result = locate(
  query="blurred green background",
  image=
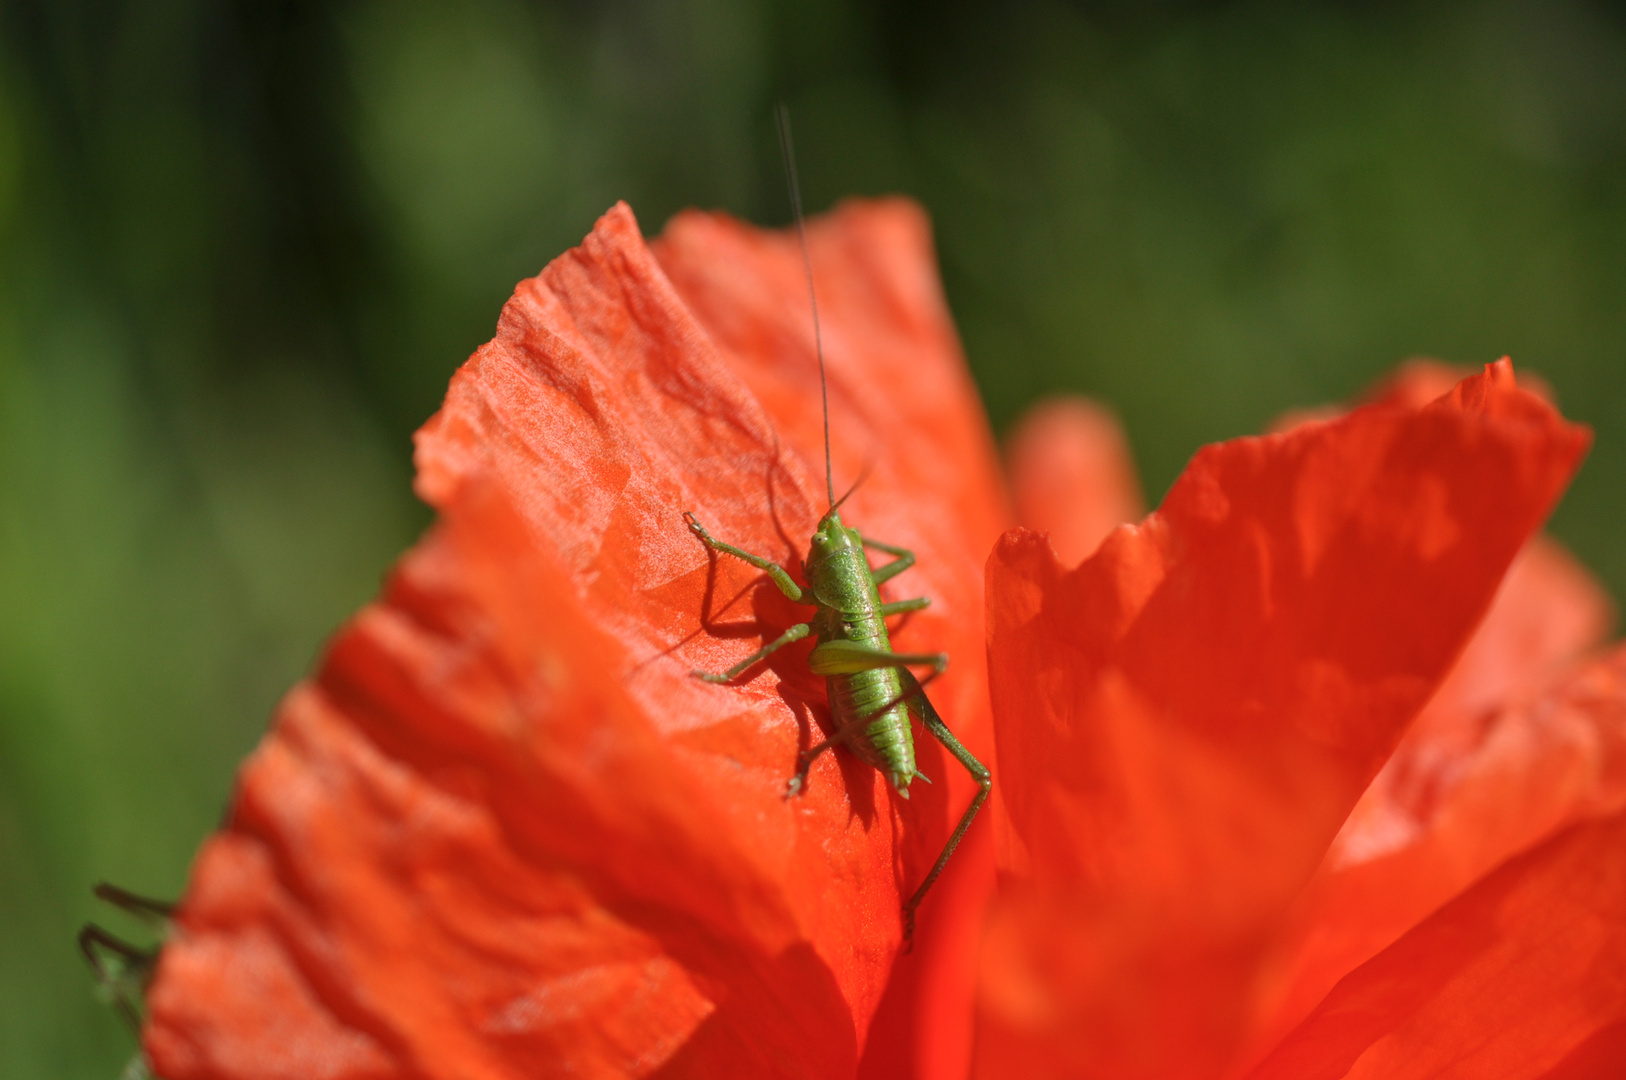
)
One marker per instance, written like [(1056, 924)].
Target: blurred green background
[(244, 244)]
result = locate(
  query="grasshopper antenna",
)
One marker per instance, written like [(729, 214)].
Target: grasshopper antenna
[(869, 467), (788, 152)]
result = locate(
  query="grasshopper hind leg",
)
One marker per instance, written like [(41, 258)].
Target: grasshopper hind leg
[(921, 706)]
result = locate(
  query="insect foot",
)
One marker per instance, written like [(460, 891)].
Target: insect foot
[(798, 783), (710, 676), (695, 527)]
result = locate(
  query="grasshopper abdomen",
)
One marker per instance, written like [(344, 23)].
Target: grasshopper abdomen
[(850, 611)]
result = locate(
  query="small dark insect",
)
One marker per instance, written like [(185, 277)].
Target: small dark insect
[(871, 689), (123, 971)]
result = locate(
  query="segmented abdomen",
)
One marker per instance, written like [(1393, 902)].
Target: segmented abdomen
[(886, 742)]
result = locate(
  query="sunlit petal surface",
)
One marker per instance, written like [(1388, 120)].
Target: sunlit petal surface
[(1517, 979)]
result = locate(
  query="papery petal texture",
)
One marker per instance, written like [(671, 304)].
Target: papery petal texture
[(1523, 977), (1185, 720), (1513, 747), (503, 832)]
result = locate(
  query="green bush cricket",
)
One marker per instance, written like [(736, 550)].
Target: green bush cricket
[(872, 692)]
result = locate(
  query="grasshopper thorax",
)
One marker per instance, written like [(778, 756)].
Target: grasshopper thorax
[(836, 568)]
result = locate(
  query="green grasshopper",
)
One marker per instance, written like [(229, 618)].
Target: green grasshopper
[(871, 690)]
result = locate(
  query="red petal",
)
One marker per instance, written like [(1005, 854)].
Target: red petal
[(1549, 611), (504, 833), (1518, 979), (1418, 382), (1185, 719), (1489, 768), (1072, 476), (1413, 385)]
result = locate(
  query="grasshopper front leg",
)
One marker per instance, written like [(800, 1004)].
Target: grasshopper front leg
[(781, 578), (902, 559), (795, 633)]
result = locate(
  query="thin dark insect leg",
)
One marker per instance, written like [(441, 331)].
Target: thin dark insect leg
[(92, 936), (142, 907), (136, 967), (904, 559), (898, 607), (922, 707), (795, 633), (780, 578)]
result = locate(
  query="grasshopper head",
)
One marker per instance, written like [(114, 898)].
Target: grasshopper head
[(836, 569), (831, 538)]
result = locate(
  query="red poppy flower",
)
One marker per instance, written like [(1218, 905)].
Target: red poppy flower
[(502, 832)]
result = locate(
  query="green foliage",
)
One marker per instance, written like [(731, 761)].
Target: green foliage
[(243, 245)]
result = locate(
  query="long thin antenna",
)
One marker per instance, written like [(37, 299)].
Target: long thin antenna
[(782, 115)]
